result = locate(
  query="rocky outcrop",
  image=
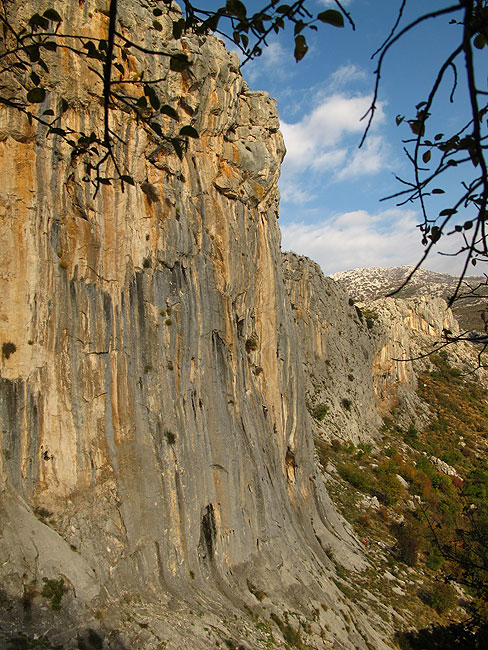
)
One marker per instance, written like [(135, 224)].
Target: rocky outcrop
[(361, 360), (157, 474), (338, 353), (405, 331)]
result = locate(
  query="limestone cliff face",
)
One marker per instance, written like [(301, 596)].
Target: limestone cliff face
[(338, 352), (406, 330), (156, 448), (158, 357), (361, 362)]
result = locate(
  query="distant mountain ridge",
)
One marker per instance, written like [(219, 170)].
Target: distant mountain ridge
[(366, 284)]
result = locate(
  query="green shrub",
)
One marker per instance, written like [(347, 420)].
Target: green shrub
[(8, 348), (409, 535), (257, 593), (323, 450), (346, 403), (291, 636), (412, 436), (435, 560), (388, 489), (355, 476), (54, 591), (251, 343), (441, 597), (320, 411)]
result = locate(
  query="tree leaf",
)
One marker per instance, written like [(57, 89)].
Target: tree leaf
[(36, 95), (170, 112), (157, 12), (142, 102), (479, 41), (36, 21), (52, 14), (49, 111), (417, 127), (301, 47), (154, 100), (43, 65), (189, 131), (127, 179), (178, 27), (32, 52), (236, 8), (438, 191), (468, 225), (435, 234), (426, 156), (35, 78), (212, 23), (283, 9), (63, 106), (179, 63), (177, 147), (51, 46), (157, 128), (447, 212), (157, 25), (331, 17), (57, 131)]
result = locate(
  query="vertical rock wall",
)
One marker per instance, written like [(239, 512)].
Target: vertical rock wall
[(154, 438)]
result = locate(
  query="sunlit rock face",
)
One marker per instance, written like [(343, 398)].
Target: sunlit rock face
[(159, 364), (156, 449), (361, 361), (338, 353)]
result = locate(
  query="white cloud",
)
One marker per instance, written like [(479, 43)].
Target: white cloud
[(347, 73), (293, 193), (313, 142), (370, 159), (275, 60), (359, 239)]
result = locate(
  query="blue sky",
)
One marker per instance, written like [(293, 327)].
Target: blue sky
[(331, 190)]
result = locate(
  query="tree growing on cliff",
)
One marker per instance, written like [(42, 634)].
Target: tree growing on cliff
[(29, 47)]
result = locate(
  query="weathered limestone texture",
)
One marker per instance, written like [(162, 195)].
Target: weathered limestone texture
[(408, 329), (156, 449), (361, 361), (338, 352)]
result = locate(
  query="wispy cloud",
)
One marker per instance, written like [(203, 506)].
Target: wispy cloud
[(370, 159), (347, 74), (332, 3), (293, 193), (359, 239), (275, 60), (327, 139)]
